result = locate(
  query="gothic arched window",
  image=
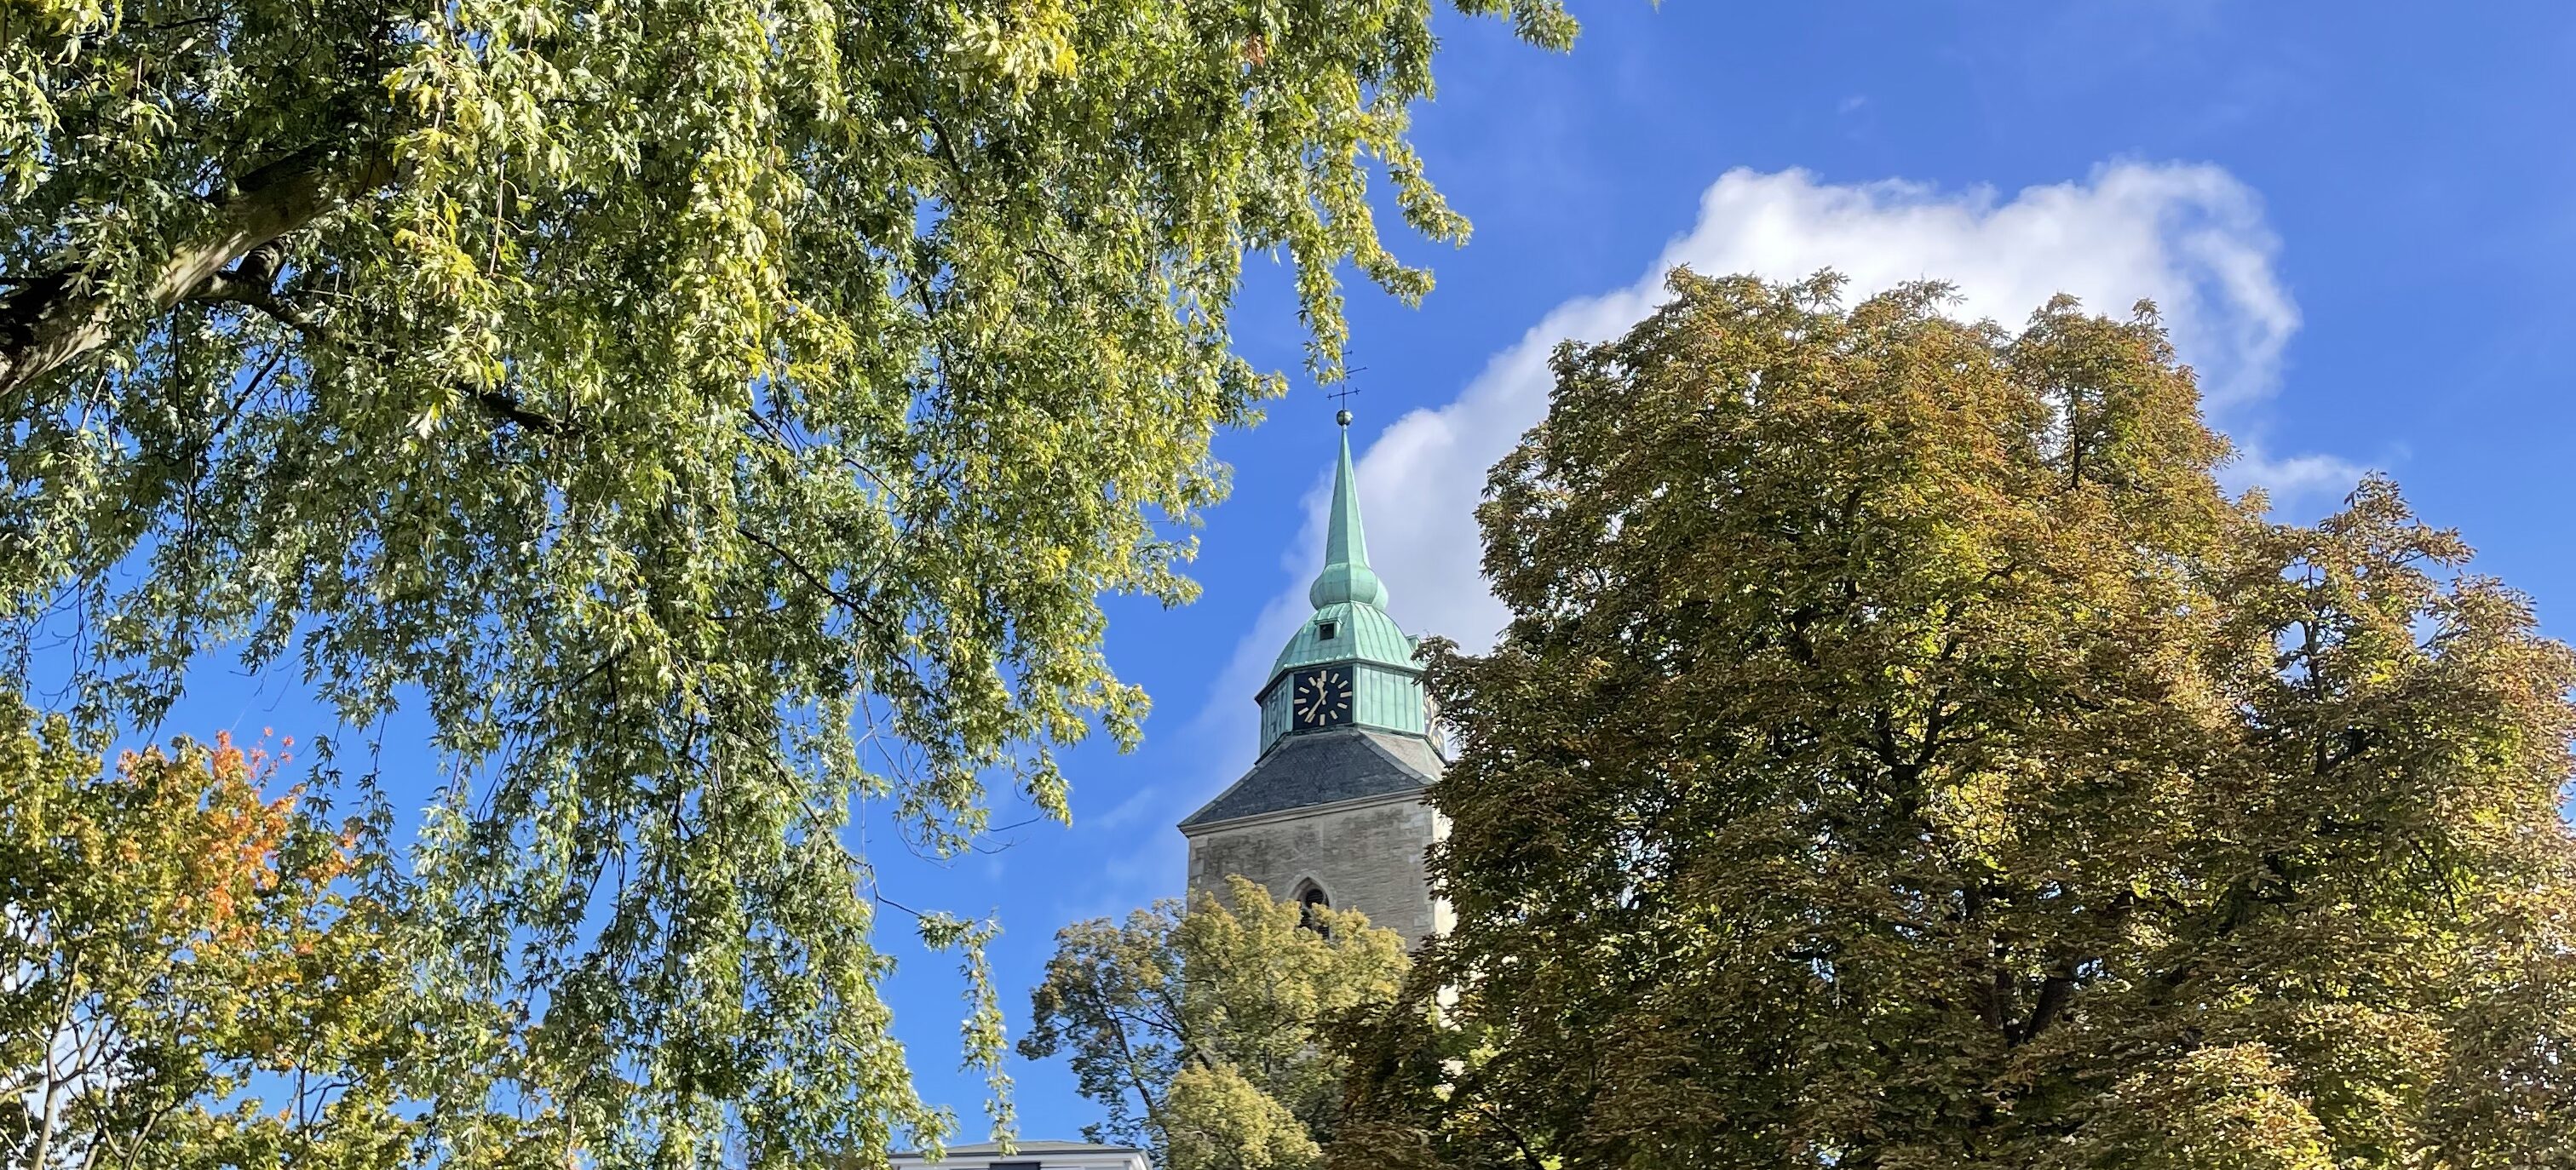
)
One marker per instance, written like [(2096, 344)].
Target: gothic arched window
[(1310, 900)]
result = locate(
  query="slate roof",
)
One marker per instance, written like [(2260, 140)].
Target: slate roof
[(1324, 767)]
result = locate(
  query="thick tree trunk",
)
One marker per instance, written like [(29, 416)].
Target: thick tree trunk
[(56, 319)]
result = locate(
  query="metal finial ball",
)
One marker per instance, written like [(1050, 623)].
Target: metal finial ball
[(1343, 417)]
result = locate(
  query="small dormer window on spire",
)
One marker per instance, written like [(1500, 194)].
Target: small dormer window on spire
[(1324, 631)]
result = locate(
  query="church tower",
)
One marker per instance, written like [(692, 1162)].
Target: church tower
[(1332, 812)]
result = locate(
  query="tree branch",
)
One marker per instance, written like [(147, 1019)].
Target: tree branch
[(509, 409), (2054, 992), (248, 283), (1134, 1068), (54, 319)]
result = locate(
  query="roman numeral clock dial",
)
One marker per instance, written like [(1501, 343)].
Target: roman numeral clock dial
[(1321, 698)]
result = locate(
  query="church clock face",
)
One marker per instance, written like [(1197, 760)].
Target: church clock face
[(1321, 698)]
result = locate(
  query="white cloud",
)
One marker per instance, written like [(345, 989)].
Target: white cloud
[(2291, 477), (2189, 237)]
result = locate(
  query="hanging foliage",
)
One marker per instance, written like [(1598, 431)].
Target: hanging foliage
[(712, 414)]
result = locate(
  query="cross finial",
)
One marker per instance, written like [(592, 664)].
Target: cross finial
[(1342, 397)]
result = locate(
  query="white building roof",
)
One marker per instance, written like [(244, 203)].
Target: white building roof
[(1027, 1155)]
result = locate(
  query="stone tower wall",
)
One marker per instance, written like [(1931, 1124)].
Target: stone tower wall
[(1367, 856)]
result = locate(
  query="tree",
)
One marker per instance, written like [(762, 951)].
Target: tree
[(1200, 1032), (196, 975), (1904, 754), (713, 414)]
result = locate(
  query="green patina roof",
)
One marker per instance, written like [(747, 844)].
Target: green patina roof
[(1347, 594), (1362, 632), (1346, 576), (1349, 599)]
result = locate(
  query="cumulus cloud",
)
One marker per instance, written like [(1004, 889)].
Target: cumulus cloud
[(2191, 238)]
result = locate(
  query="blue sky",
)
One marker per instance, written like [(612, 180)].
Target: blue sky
[(2356, 216)]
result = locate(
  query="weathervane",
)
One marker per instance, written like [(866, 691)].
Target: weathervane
[(1342, 397)]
